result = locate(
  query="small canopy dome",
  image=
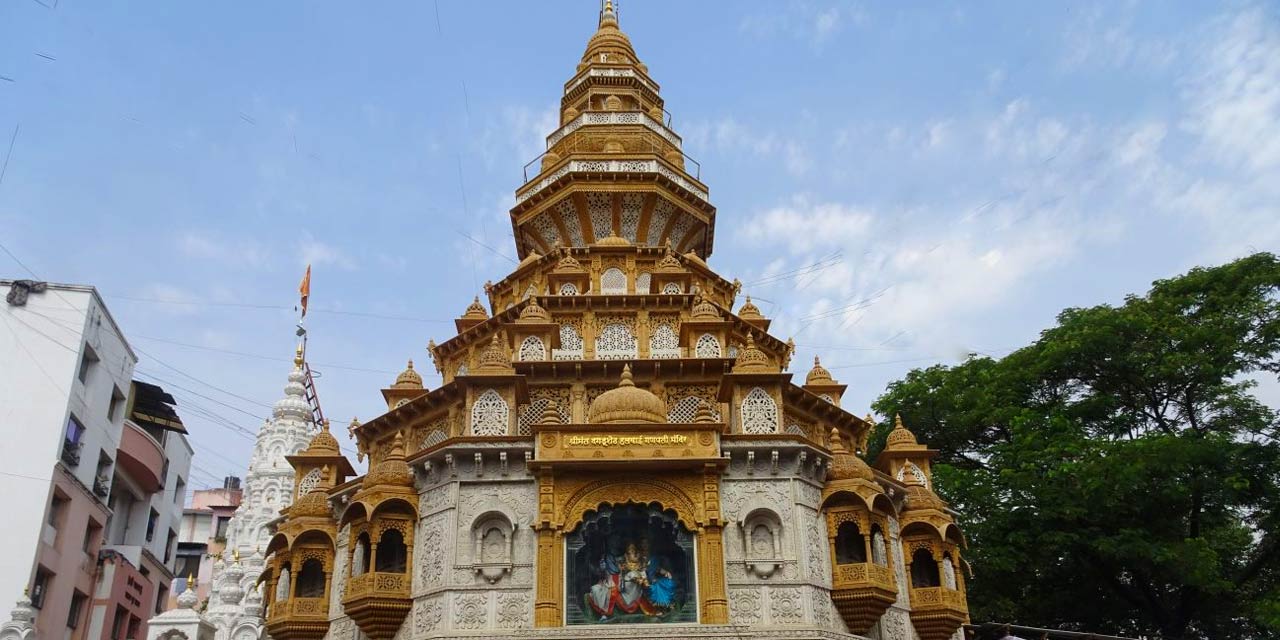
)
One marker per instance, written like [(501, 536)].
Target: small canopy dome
[(704, 310), (845, 465), (627, 403), (900, 436), (393, 470), (612, 240), (494, 357), (408, 379), (476, 311), (751, 358), (750, 311), (568, 264), (314, 503), (669, 263), (323, 442), (818, 374), (533, 313)]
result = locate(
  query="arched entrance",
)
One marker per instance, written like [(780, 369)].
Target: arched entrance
[(630, 563)]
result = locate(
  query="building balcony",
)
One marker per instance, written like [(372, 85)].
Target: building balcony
[(378, 602), (71, 453), (141, 457), (861, 592), (298, 619), (937, 612)]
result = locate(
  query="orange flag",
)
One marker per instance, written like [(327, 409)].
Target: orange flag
[(304, 290)]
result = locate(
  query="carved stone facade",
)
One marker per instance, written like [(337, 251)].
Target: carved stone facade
[(614, 452)]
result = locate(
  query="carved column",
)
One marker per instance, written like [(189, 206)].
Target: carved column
[(546, 607), (715, 601)]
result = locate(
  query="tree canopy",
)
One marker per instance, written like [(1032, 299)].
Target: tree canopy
[(1118, 475)]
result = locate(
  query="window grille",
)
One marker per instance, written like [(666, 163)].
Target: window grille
[(489, 415), (707, 346), (759, 412)]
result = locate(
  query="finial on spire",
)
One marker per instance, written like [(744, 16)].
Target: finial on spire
[(297, 356), (191, 580), (626, 377), (607, 14)]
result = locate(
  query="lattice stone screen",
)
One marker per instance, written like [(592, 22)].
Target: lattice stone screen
[(616, 342), (568, 289), (686, 410), (489, 415), (614, 281), (664, 343), (707, 346), (672, 288), (570, 344), (532, 349), (759, 412), (643, 279), (308, 482)]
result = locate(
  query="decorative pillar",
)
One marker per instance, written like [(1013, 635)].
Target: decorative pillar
[(546, 608), (715, 601)]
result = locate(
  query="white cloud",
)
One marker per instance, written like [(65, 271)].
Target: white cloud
[(311, 251), (804, 226), (1103, 36), (241, 252), (803, 21), (1235, 96), (727, 136)]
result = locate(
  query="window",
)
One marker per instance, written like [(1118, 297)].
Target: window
[(489, 415), (615, 342), (179, 491), (86, 364), (39, 586), (115, 407), (391, 553), (707, 346), (613, 280), (850, 547), (664, 343), (759, 412), (311, 578), (92, 536), (188, 565), (924, 569), (56, 508), (532, 349), (151, 524), (77, 607), (168, 545), (72, 441), (162, 598), (118, 622), (221, 528)]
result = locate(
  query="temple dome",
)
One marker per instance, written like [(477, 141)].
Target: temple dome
[(534, 313), (846, 465), (818, 374), (900, 436), (323, 443), (494, 357), (568, 264), (392, 470), (408, 379), (669, 263), (751, 358), (612, 240), (314, 503), (627, 403), (750, 311), (476, 311)]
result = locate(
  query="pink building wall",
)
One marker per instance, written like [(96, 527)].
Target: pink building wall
[(122, 586), (62, 552)]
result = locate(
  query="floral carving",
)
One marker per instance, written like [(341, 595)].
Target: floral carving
[(470, 610), (427, 616), (430, 559), (786, 606), (744, 605), (513, 610)]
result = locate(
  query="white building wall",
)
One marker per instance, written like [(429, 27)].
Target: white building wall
[(41, 345)]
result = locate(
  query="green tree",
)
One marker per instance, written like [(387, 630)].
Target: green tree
[(1118, 475)]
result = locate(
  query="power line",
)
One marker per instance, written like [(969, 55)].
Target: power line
[(274, 307), (207, 384), (260, 356)]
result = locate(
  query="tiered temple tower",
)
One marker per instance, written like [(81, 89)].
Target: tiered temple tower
[(235, 603), (614, 451)]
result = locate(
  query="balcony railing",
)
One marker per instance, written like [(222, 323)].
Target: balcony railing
[(71, 452), (300, 608), (938, 597), (864, 574), (378, 583)]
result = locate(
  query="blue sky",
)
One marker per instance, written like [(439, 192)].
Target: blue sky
[(960, 171)]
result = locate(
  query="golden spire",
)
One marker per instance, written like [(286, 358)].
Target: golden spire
[(297, 356), (191, 580)]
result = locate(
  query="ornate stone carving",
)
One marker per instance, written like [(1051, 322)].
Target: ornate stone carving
[(744, 605), (470, 610), (786, 605), (514, 610), (427, 616)]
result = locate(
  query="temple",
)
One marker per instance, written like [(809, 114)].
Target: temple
[(616, 444)]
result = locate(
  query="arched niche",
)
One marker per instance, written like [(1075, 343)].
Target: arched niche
[(493, 545), (630, 563), (761, 533)]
